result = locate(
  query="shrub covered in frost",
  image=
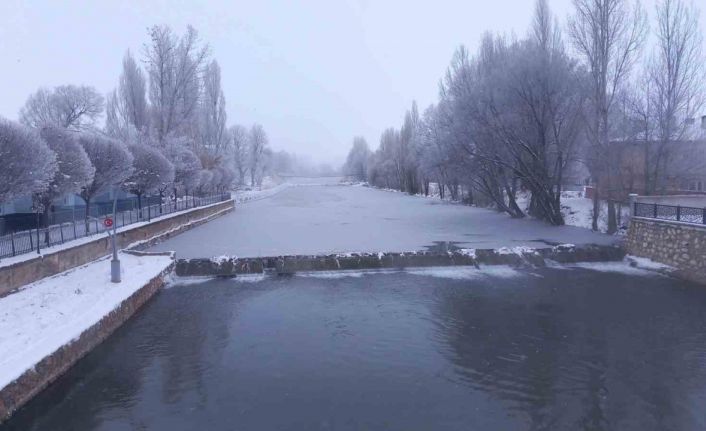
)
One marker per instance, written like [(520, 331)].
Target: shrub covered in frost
[(27, 165)]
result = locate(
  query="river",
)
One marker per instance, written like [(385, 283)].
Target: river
[(603, 347)]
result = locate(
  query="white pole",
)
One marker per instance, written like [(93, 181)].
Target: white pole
[(632, 199)]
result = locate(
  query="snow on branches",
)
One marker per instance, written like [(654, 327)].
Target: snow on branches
[(152, 171), (187, 165), (75, 170), (28, 165), (69, 106), (111, 159)]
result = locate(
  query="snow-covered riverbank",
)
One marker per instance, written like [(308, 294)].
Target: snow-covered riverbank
[(44, 316)]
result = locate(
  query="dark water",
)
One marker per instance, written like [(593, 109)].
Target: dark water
[(555, 349)]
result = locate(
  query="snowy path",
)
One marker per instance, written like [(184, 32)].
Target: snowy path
[(335, 219), (43, 316)]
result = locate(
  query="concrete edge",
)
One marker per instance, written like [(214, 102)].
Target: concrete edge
[(33, 381), (234, 266)]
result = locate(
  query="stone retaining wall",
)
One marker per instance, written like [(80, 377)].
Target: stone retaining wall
[(17, 393), (680, 245), (87, 250), (230, 267)]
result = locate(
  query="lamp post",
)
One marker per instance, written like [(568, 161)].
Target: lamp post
[(115, 262)]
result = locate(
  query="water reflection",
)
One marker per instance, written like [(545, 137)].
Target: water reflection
[(554, 349), (591, 351)]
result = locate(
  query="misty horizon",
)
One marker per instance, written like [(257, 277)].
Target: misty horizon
[(314, 76)]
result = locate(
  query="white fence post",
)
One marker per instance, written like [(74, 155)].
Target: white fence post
[(632, 199)]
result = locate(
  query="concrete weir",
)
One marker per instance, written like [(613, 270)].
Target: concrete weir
[(226, 266)]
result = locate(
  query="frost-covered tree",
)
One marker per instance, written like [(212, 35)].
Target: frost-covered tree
[(152, 172), (608, 35), (187, 166), (407, 155), (435, 153), (266, 165), (174, 65), (69, 106), (27, 165), (205, 180), (226, 179), (112, 162), (74, 169), (126, 107), (357, 160), (239, 151), (215, 180), (531, 106), (675, 87), (509, 117), (214, 137), (257, 144)]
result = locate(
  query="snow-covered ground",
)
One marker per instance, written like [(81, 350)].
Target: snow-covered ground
[(316, 219), (578, 210), (242, 196), (45, 315)]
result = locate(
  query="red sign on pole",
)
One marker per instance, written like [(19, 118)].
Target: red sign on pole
[(108, 222)]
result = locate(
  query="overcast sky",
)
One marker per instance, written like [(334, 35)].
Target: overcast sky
[(314, 73)]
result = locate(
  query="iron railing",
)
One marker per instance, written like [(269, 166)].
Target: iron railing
[(670, 212), (72, 224)]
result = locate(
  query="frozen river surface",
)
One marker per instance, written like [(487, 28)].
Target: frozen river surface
[(335, 219), (431, 349)]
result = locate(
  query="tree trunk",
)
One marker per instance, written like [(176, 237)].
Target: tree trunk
[(454, 191), (88, 213), (533, 209), (612, 222), (45, 203), (516, 212), (596, 209), (139, 205), (45, 223)]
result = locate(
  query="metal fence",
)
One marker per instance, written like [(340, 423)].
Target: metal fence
[(71, 224), (670, 212)]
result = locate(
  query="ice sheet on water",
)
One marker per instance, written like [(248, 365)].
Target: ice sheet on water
[(645, 263), (467, 272), (455, 273), (623, 267), (332, 274), (193, 281)]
